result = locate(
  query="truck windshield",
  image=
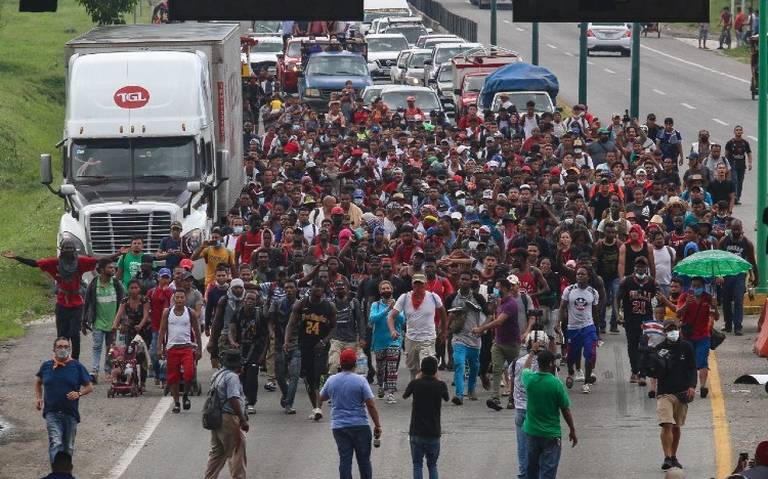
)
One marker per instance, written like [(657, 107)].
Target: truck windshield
[(267, 47), (443, 55), (474, 83), (144, 159), (446, 74), (519, 99), (350, 65), (387, 44), (417, 59), (425, 100), (411, 32)]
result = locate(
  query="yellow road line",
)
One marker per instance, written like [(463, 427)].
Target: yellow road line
[(721, 430)]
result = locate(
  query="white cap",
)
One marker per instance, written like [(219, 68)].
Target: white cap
[(512, 278), (456, 215)]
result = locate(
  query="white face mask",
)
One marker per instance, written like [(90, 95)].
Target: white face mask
[(62, 353), (673, 335)]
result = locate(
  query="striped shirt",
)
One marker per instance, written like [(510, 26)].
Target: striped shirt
[(654, 330)]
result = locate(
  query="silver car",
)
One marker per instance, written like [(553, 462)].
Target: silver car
[(414, 71), (383, 50), (609, 37), (397, 71)]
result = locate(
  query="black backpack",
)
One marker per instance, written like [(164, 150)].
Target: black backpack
[(212, 414)]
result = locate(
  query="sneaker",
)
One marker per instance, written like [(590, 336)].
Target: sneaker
[(704, 392), (157, 381), (652, 394), (641, 382), (579, 376), (282, 402), (676, 463), (633, 379), (494, 404), (185, 403), (457, 401), (738, 332), (472, 396), (317, 414), (585, 389), (176, 408), (727, 329), (251, 409), (270, 386), (289, 410), (569, 382), (667, 464), (391, 399), (511, 403), (380, 393), (95, 379)]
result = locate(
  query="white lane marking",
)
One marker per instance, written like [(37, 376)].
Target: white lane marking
[(693, 64), (569, 54), (553, 47), (720, 122), (659, 92), (141, 438), (507, 22), (608, 70), (751, 137), (690, 107), (590, 63), (520, 29)]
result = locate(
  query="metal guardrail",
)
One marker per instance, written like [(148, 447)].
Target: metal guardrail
[(455, 24)]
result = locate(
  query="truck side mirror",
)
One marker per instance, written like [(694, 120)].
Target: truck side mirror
[(46, 171), (222, 163), (194, 186), (67, 190)]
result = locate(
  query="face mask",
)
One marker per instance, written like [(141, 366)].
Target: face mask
[(698, 291), (641, 276), (475, 284), (358, 201), (217, 244), (62, 353), (261, 200), (497, 293), (237, 230), (461, 201), (386, 295), (673, 335)]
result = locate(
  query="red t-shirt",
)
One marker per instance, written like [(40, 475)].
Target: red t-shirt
[(68, 292), (159, 299), (246, 244), (441, 287), (697, 314)]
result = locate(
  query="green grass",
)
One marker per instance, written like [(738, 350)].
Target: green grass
[(31, 119)]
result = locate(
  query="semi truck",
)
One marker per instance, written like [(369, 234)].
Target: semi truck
[(152, 134)]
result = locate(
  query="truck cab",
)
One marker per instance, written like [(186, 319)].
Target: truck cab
[(148, 131)]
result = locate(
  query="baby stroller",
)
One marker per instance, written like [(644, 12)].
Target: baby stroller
[(128, 367)]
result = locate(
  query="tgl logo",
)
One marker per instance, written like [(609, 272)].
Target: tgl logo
[(131, 97)]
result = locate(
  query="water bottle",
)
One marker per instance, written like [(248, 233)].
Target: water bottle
[(361, 365)]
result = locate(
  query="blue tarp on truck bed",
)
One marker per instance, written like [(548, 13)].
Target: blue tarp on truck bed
[(519, 76)]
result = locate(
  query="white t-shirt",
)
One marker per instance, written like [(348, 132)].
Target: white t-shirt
[(516, 370), (580, 302), (663, 259), (419, 323)]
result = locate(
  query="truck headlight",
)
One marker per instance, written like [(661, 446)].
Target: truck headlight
[(311, 92), (66, 235), (413, 80), (192, 240)]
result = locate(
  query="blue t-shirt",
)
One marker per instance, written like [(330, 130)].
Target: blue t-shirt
[(380, 337), (348, 392), (170, 244), (60, 381)]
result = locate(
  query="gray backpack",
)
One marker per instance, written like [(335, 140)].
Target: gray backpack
[(212, 414)]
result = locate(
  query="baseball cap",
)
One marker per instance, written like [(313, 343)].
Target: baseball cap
[(641, 171), (176, 224), (186, 263), (164, 272), (456, 215), (512, 278), (488, 194), (348, 356), (419, 278), (337, 210)]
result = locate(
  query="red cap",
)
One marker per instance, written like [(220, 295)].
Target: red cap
[(554, 171), (357, 152), (337, 210), (458, 178), (186, 263), (348, 356), (527, 168)]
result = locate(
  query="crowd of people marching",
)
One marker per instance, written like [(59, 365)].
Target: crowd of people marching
[(374, 236)]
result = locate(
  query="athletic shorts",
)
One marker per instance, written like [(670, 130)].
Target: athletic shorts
[(670, 410), (701, 349), (179, 358), (314, 364), (583, 341)]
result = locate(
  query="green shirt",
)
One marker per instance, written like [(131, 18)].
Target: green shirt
[(546, 397), (106, 306), (131, 265)]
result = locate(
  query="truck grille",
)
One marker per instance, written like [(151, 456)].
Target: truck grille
[(111, 231)]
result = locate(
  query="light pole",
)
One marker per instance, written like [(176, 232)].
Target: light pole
[(762, 146), (535, 43), (583, 63), (634, 89), (493, 22)]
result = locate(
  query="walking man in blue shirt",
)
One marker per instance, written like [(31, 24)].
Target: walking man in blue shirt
[(61, 382), (351, 396)]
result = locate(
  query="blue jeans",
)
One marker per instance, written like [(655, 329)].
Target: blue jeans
[(737, 175), (156, 366), (62, 428), (425, 446), (734, 288), (543, 456), (101, 339), (357, 440), (287, 370), (522, 444), (461, 356)]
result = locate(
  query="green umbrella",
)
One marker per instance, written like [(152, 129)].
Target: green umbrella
[(712, 263)]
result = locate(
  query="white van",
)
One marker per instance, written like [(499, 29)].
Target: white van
[(373, 9)]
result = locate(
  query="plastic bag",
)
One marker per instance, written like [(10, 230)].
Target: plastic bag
[(361, 365)]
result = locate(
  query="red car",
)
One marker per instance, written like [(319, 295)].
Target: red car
[(289, 64)]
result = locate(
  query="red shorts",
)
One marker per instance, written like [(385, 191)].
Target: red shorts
[(179, 358)]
